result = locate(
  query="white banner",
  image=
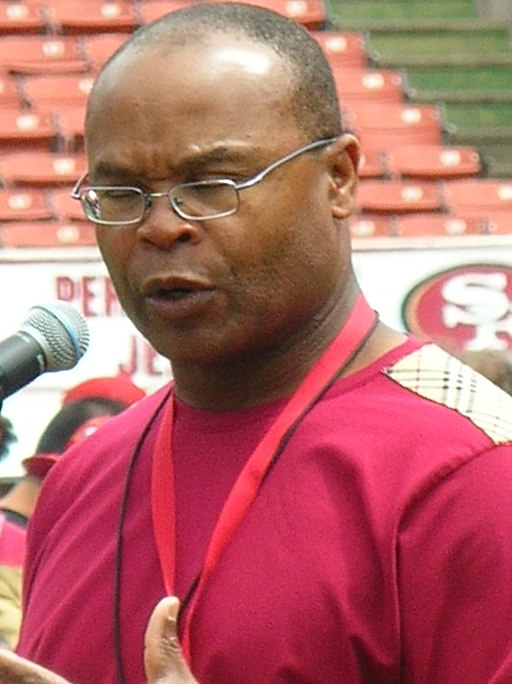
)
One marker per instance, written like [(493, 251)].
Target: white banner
[(79, 277)]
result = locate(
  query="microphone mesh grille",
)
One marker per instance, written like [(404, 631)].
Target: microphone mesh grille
[(65, 333)]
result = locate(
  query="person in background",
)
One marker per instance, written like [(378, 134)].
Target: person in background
[(84, 408), (328, 498)]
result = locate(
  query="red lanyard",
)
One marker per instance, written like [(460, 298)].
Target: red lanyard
[(353, 334)]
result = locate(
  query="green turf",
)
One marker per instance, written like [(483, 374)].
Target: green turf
[(457, 78), (414, 42), (467, 115), (373, 10)]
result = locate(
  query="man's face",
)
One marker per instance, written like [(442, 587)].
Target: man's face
[(212, 291)]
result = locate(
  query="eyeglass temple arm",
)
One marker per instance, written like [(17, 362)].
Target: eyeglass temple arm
[(74, 192), (296, 153)]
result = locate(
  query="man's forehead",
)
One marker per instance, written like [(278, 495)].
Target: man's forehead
[(237, 62), (220, 48)]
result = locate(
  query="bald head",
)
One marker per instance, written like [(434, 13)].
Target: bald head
[(309, 83)]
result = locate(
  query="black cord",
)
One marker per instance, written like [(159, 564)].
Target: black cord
[(118, 557)]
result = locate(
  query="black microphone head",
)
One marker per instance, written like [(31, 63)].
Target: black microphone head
[(61, 331)]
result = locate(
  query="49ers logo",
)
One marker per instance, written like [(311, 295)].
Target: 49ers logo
[(469, 307)]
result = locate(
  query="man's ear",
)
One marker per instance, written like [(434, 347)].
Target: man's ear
[(345, 160)]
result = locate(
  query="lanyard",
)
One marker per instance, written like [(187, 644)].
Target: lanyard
[(327, 368)]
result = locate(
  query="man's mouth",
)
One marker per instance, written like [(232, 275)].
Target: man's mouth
[(178, 293)]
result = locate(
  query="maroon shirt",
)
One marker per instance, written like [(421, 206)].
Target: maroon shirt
[(378, 550)]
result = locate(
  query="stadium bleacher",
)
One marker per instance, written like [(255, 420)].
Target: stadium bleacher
[(434, 118)]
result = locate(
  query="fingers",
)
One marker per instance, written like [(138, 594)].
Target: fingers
[(17, 670), (163, 657)]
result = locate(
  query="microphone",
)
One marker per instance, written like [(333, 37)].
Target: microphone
[(54, 337)]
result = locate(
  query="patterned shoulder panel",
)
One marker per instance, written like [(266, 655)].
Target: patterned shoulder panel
[(435, 375)]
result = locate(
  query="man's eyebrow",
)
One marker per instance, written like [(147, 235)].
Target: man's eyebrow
[(215, 155), (218, 155), (106, 170)]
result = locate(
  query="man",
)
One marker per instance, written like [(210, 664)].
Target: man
[(328, 498)]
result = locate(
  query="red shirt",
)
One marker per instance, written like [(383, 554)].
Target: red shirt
[(378, 550)]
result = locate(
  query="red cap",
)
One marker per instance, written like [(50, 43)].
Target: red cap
[(118, 388), (38, 465)]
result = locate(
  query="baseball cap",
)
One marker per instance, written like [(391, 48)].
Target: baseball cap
[(118, 388)]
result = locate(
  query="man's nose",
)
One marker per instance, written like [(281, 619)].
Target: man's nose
[(163, 227)]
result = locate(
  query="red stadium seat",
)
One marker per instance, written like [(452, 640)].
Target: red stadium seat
[(41, 54), (395, 197), (364, 227), (39, 168), (372, 165), (433, 161), (149, 10), (478, 196), (24, 128), (10, 93), (59, 89), (29, 204), (437, 225), (97, 48), (64, 206), (309, 13), (384, 126), (343, 48), (46, 234), (499, 223), (69, 123), (363, 84), (75, 16), (21, 17)]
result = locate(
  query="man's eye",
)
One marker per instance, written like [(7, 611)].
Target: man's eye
[(121, 193)]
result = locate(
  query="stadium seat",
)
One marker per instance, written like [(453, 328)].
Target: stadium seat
[(24, 128), (21, 17), (433, 161), (41, 54), (384, 126), (343, 48), (97, 48), (73, 16), (436, 225), (149, 10), (30, 204), (311, 14), (499, 223), (395, 197), (64, 207), (363, 84), (69, 123), (39, 168), (477, 196), (364, 227), (372, 165), (46, 234), (57, 88), (10, 93)]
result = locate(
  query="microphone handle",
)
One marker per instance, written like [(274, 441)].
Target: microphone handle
[(21, 361)]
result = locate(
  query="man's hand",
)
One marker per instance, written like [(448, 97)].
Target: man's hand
[(163, 658)]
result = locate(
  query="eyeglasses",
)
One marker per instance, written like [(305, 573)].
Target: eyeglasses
[(124, 205)]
